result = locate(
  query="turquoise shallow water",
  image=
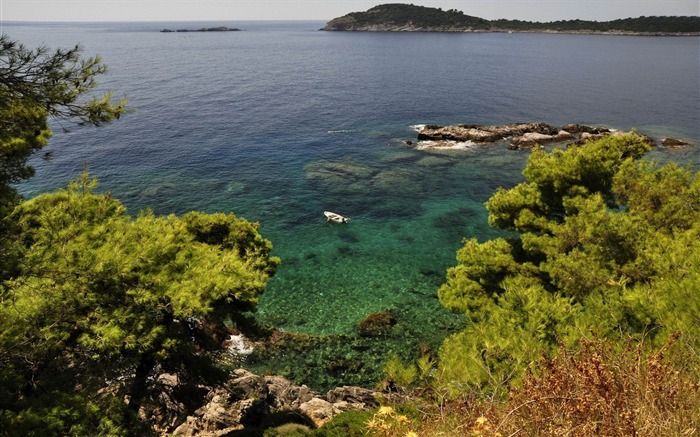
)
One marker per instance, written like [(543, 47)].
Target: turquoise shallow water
[(280, 122)]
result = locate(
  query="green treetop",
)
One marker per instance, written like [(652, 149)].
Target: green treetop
[(99, 303), (604, 242), (35, 85)]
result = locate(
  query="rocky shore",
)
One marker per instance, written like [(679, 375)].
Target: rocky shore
[(246, 401), (519, 136)]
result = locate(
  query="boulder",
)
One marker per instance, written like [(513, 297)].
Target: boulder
[(283, 394), (356, 396), (244, 385), (319, 410)]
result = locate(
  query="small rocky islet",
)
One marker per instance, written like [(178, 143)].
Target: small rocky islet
[(203, 29), (520, 136)]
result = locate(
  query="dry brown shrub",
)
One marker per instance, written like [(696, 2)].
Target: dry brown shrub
[(600, 390)]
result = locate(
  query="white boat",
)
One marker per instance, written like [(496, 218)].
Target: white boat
[(335, 217)]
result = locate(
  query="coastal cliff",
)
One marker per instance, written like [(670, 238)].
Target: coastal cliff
[(399, 17)]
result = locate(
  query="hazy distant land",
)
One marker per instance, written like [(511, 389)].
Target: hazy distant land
[(399, 17)]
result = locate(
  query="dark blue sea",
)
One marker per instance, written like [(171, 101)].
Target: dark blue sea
[(280, 122)]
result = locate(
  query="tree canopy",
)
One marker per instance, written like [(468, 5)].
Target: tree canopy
[(38, 84), (602, 242), (100, 302)]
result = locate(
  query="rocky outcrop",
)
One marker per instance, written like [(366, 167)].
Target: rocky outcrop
[(246, 400), (673, 143), (575, 128), (482, 133), (518, 136)]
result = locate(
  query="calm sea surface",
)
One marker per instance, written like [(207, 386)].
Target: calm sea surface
[(281, 122)]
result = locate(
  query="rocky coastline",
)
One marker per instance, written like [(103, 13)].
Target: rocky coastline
[(386, 27), (246, 401)]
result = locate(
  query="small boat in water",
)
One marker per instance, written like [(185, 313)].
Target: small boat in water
[(334, 217)]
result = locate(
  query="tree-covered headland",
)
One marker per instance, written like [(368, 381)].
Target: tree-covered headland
[(409, 17), (599, 271)]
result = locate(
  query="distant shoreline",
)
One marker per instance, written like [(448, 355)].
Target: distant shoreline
[(402, 29)]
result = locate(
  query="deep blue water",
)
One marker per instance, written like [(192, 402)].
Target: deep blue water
[(281, 122)]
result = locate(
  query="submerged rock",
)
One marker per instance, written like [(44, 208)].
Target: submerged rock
[(377, 324), (331, 174), (434, 161)]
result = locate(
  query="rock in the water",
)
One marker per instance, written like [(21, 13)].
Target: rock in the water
[(523, 135), (575, 128), (481, 133), (672, 143)]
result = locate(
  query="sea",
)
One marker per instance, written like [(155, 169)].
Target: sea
[(280, 122)]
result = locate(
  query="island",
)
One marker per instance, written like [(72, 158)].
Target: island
[(204, 29), (399, 17)]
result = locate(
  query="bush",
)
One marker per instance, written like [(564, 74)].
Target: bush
[(348, 424), (602, 390)]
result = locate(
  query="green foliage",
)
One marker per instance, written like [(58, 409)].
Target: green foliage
[(686, 24), (35, 85), (554, 177), (288, 430), (348, 424), (400, 374), (100, 301), (607, 243), (401, 14)]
